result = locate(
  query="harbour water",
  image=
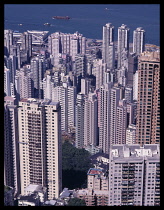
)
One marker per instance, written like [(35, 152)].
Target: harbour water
[(87, 19)]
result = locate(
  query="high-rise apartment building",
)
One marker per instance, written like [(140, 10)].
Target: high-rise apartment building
[(7, 89), (138, 40), (11, 146), (40, 145), (66, 43), (8, 41), (91, 120), (24, 84), (72, 94), (131, 134), (108, 49), (129, 93), (135, 86), (38, 69), (123, 42), (79, 121), (121, 122), (99, 69), (134, 177), (148, 106), (114, 102), (104, 116)]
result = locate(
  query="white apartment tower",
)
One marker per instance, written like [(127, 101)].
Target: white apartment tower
[(108, 45), (134, 175), (8, 41), (40, 145), (91, 120), (23, 83), (138, 40), (72, 94), (11, 146), (79, 142), (38, 69), (104, 117), (135, 86), (99, 69), (7, 90), (114, 101), (121, 122), (71, 44), (123, 42), (131, 134)]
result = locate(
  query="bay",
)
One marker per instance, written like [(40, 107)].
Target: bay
[(87, 19)]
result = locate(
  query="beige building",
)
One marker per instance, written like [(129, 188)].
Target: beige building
[(40, 145), (96, 193), (148, 107)]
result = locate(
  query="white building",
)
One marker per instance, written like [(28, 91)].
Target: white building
[(91, 120), (121, 122), (131, 134), (104, 117), (71, 44), (7, 90), (135, 86), (108, 45), (134, 175), (79, 141), (114, 101), (40, 145), (123, 42), (138, 40), (99, 69), (11, 147), (23, 83)]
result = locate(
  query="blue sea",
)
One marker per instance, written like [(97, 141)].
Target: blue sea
[(87, 19)]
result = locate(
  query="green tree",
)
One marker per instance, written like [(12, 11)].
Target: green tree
[(76, 202), (75, 165)]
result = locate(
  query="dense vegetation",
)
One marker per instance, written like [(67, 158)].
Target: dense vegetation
[(75, 164), (76, 202)]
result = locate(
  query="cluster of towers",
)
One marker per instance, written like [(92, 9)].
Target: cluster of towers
[(105, 98)]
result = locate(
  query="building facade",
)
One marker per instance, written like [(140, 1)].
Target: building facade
[(40, 145), (148, 106), (134, 175)]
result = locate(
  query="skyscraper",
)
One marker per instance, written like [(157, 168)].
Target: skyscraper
[(148, 106), (8, 41), (138, 40), (7, 89), (121, 122), (40, 145), (38, 69), (123, 42), (24, 84), (134, 177), (11, 146), (108, 45), (91, 120), (104, 116), (79, 141), (66, 43), (114, 101)]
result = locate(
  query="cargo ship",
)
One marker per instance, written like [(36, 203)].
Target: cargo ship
[(61, 17)]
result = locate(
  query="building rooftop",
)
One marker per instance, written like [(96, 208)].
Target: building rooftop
[(132, 151), (94, 171), (33, 187), (150, 56)]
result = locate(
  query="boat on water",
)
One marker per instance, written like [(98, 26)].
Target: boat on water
[(47, 24), (106, 8), (20, 24), (61, 17)]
